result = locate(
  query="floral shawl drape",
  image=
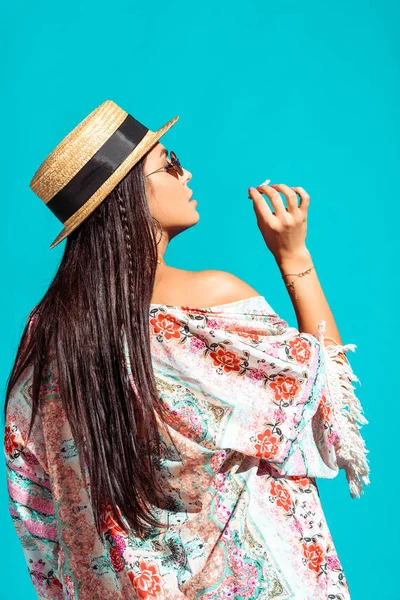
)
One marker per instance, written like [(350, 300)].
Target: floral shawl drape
[(256, 411)]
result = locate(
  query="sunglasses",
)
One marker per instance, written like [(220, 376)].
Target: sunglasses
[(173, 167)]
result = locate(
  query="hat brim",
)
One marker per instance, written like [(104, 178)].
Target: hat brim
[(148, 141)]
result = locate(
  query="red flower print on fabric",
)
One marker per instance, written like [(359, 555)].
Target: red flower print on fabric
[(281, 495), (326, 410), (299, 480), (190, 309), (57, 583), (116, 560), (267, 446), (167, 325), (109, 523), (148, 582), (284, 388), (10, 443), (300, 350), (250, 334), (227, 360), (315, 556)]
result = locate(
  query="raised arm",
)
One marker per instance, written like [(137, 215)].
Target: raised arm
[(284, 231), (307, 295)]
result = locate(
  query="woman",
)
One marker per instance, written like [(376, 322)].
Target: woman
[(164, 428)]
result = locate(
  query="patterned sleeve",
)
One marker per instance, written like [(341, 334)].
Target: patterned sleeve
[(30, 500), (343, 413), (303, 425)]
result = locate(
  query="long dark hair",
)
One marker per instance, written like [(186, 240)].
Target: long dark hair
[(103, 289)]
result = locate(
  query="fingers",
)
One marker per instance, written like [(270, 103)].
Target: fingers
[(290, 195), (261, 207), (275, 198), (304, 198)]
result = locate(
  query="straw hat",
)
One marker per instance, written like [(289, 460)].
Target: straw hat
[(90, 161)]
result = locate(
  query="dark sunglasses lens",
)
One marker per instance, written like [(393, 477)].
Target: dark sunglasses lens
[(175, 163)]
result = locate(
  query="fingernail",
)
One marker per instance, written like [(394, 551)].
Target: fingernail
[(266, 182)]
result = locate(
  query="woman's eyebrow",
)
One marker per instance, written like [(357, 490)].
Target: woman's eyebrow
[(164, 151)]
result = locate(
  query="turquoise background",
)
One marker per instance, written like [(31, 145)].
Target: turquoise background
[(302, 93)]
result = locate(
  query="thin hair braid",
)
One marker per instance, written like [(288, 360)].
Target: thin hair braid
[(128, 246), (133, 324), (128, 242)]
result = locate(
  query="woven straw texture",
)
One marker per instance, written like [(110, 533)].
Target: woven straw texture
[(77, 148)]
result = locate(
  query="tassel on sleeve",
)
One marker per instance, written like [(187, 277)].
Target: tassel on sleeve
[(348, 415)]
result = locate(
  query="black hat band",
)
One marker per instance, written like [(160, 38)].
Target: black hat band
[(98, 169)]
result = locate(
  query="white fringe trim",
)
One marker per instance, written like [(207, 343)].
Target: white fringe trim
[(347, 410)]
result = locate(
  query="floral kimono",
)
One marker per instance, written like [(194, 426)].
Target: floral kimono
[(256, 411)]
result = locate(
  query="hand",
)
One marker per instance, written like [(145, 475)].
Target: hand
[(284, 230)]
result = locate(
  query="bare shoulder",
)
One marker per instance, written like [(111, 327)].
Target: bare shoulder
[(200, 289), (221, 287)]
